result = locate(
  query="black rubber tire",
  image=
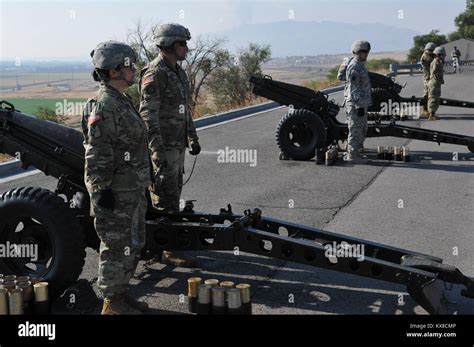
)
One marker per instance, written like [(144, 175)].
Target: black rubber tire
[(311, 131), (380, 95), (49, 221)]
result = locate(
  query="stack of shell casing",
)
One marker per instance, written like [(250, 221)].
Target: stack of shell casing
[(393, 153), (218, 298), (18, 295)]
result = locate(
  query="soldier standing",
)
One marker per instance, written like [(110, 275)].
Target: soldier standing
[(358, 98), (165, 108), (426, 60), (436, 80), (117, 173), (455, 55)]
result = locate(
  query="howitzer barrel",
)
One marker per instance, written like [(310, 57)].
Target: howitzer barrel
[(290, 94), (52, 148)]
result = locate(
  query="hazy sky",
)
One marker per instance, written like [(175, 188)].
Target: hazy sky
[(71, 29)]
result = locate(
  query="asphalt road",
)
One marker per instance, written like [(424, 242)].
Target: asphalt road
[(361, 201)]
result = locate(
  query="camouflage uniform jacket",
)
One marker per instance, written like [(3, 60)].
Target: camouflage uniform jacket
[(115, 142), (357, 91), (426, 60), (436, 72), (165, 106)]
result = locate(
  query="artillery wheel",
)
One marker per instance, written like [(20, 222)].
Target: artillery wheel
[(299, 133), (36, 216), (380, 95)]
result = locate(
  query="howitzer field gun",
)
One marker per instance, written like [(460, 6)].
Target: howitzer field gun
[(385, 90), (311, 124), (62, 227)]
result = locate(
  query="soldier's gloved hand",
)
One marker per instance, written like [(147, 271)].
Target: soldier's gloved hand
[(106, 199), (155, 158), (195, 148), (361, 112)]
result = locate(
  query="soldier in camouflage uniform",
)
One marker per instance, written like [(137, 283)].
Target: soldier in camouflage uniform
[(358, 98), (165, 108), (426, 60), (117, 174), (436, 80)]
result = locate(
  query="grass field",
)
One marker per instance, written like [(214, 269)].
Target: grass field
[(29, 105)]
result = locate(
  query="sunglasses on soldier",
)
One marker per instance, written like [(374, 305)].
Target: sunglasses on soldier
[(182, 43)]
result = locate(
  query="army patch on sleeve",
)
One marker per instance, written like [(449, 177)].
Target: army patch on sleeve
[(94, 117), (148, 79)]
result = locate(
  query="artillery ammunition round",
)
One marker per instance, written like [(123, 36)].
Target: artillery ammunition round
[(212, 282), (204, 299), (406, 154), (380, 152), (193, 283), (15, 301), (41, 305), (234, 301), (227, 284), (397, 153), (3, 301), (218, 300), (245, 298)]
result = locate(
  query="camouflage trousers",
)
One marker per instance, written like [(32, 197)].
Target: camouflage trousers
[(434, 95), (357, 129), (122, 237), (426, 84), (166, 191)]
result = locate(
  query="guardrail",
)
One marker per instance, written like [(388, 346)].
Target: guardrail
[(395, 69), (400, 69), (461, 62)]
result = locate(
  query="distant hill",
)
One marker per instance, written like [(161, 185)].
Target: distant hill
[(293, 38)]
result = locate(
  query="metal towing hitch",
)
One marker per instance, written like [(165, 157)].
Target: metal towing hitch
[(63, 229), (311, 126), (425, 276)]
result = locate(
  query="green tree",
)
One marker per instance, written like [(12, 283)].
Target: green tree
[(420, 41), (229, 84), (464, 24)]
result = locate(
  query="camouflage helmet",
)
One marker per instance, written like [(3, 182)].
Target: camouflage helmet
[(111, 54), (167, 34), (430, 46), (360, 45), (440, 51)]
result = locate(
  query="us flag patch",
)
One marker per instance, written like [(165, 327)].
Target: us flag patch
[(94, 118), (148, 79)]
